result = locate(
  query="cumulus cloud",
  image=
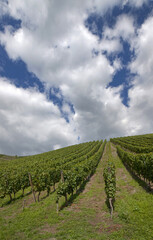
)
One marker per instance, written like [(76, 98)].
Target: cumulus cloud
[(3, 8), (29, 123), (141, 98), (143, 62), (99, 115), (111, 46), (124, 28), (141, 110), (136, 3), (49, 63), (102, 6)]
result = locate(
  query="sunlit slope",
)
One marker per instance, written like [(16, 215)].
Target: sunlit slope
[(137, 144), (137, 153), (76, 162), (87, 214)]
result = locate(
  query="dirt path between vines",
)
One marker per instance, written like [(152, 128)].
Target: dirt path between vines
[(95, 198)]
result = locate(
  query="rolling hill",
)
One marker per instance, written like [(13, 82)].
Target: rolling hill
[(61, 194)]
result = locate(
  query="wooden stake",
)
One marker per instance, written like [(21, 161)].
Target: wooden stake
[(33, 192), (57, 207), (111, 206)]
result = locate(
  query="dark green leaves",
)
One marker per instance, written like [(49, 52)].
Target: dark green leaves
[(110, 180)]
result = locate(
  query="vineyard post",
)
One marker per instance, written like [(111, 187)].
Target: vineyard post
[(111, 206), (57, 207), (33, 192)]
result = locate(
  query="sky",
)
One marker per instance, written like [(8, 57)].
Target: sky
[(74, 71)]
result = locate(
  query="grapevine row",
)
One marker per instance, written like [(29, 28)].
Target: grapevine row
[(45, 172), (140, 164), (132, 147), (110, 178), (78, 174)]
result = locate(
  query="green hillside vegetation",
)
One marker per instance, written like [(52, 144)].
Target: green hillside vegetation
[(64, 194)]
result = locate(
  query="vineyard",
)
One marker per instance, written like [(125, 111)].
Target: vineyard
[(136, 153), (94, 190), (43, 171), (137, 144)]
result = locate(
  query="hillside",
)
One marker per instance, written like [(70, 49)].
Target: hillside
[(87, 214)]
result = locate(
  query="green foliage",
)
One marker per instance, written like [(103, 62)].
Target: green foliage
[(137, 144), (87, 218), (76, 161), (141, 164), (110, 180), (80, 171)]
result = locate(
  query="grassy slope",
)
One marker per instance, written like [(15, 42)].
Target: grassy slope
[(87, 217), (6, 158)]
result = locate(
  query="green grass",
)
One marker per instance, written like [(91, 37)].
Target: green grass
[(87, 216)]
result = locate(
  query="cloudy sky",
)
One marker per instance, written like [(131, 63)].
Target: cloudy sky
[(74, 71)]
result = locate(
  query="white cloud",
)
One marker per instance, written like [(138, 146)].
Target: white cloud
[(49, 62), (3, 8), (101, 6), (117, 64), (143, 62), (99, 114), (124, 28), (29, 123), (141, 97), (136, 3), (111, 45), (141, 110), (66, 109)]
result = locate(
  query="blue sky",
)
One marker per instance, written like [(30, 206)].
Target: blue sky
[(72, 72)]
